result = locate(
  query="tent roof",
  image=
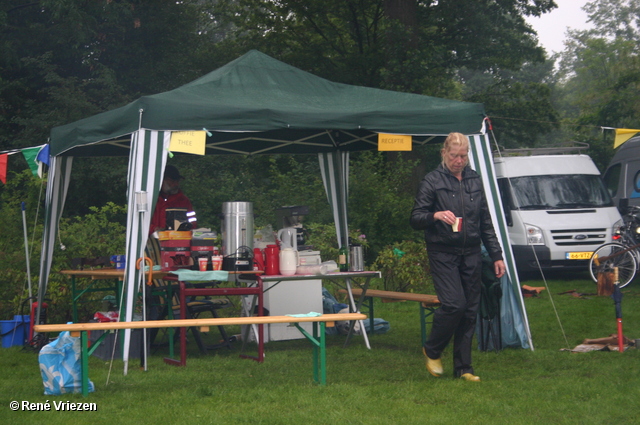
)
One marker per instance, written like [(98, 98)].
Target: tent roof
[(256, 104)]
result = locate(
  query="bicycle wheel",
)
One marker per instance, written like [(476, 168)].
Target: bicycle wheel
[(612, 255)]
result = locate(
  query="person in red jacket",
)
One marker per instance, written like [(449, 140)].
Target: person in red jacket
[(171, 196)]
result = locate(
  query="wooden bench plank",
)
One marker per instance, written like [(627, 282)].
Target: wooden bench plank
[(187, 323), (428, 304), (317, 339), (404, 296)]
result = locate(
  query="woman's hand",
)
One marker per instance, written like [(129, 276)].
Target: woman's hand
[(445, 216), (499, 268)]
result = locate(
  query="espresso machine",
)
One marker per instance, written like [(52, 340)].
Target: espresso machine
[(292, 217)]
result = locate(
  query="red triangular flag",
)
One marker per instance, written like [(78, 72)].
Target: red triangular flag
[(3, 168)]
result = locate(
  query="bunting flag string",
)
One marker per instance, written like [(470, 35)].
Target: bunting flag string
[(36, 157)]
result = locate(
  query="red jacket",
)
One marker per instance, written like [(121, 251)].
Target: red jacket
[(159, 218)]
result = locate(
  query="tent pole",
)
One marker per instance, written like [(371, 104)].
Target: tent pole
[(141, 205), (26, 247)]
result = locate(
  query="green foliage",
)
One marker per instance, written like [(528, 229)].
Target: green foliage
[(599, 76), (99, 233), (408, 272), (324, 239), (408, 46), (381, 197), (20, 187), (66, 60), (519, 104)]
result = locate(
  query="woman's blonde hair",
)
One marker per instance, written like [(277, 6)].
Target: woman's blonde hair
[(454, 141)]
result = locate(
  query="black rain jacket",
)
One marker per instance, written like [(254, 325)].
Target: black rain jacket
[(439, 191)]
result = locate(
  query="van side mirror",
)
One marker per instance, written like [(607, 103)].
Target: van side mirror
[(623, 205)]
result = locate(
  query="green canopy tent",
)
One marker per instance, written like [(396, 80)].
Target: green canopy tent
[(258, 105)]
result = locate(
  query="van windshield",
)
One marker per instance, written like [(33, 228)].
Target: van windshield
[(563, 191)]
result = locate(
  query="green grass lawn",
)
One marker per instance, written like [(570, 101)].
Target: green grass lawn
[(385, 385)]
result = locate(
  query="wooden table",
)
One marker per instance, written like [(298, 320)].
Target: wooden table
[(184, 291), (95, 275)]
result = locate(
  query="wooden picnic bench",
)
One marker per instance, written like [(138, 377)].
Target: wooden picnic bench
[(428, 304), (317, 339)]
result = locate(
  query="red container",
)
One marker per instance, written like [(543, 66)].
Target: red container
[(176, 254), (258, 259), (272, 257)]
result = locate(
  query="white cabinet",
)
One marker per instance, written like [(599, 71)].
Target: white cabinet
[(291, 297)]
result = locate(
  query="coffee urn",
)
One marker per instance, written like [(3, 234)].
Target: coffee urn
[(237, 236)]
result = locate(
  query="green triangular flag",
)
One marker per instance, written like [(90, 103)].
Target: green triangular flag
[(30, 155)]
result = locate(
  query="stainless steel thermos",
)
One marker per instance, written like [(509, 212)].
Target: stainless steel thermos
[(356, 258)]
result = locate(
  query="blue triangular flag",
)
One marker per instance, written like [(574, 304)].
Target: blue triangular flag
[(43, 154)]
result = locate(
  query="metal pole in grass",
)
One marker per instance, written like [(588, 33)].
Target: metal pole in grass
[(617, 300), (26, 246)]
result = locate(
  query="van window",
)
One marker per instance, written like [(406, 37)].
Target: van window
[(561, 191), (611, 179)]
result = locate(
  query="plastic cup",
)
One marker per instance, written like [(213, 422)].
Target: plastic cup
[(457, 225), (202, 263), (216, 262)]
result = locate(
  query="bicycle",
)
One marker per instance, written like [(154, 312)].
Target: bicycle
[(624, 254)]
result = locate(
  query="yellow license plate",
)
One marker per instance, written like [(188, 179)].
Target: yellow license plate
[(578, 255)]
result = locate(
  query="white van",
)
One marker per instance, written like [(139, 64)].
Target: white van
[(622, 177), (557, 208)]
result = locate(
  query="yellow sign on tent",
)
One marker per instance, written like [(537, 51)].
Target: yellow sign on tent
[(394, 142), (188, 141), (622, 135)]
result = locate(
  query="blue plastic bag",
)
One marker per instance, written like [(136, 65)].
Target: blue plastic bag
[(330, 306), (60, 366), (380, 326)]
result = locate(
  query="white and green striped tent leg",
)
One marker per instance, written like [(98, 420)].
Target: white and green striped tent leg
[(147, 161), (57, 186), (334, 167), (513, 316)]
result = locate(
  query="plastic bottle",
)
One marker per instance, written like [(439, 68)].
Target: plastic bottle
[(343, 258)]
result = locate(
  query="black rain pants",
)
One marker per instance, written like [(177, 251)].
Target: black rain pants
[(457, 281)]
